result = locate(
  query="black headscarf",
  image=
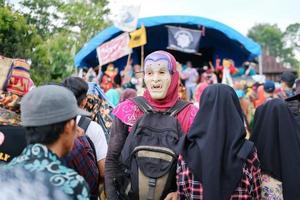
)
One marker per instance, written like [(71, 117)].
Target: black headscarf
[(215, 149), (276, 136)]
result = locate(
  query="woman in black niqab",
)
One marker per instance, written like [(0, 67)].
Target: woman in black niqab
[(215, 149), (277, 138)]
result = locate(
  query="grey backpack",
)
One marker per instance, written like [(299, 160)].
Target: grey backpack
[(149, 153)]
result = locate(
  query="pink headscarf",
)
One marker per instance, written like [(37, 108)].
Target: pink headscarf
[(199, 90), (128, 112)]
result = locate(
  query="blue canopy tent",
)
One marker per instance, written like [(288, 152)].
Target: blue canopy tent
[(219, 41)]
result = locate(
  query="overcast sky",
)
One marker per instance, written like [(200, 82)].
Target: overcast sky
[(238, 14)]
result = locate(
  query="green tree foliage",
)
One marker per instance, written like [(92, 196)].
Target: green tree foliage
[(292, 36), (60, 47), (50, 59), (83, 18), (17, 39), (86, 17), (274, 42), (49, 33), (269, 37), (43, 14), (40, 66)]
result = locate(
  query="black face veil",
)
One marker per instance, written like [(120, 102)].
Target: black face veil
[(276, 136), (215, 149)]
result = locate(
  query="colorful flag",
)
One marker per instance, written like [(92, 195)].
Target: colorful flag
[(138, 38), (126, 16), (183, 39), (5, 70), (113, 49)]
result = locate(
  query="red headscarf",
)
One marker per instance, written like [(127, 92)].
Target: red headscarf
[(172, 94)]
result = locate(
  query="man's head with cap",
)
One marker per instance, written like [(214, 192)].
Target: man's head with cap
[(297, 95), (79, 87), (269, 86), (48, 113), (288, 79)]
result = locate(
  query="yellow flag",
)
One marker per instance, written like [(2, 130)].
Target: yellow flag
[(138, 38)]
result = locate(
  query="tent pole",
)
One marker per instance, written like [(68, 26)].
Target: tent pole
[(260, 65)]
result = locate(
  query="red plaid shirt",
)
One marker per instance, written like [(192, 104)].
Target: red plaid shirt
[(83, 160), (249, 187)]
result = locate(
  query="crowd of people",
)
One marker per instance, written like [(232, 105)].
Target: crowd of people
[(166, 132)]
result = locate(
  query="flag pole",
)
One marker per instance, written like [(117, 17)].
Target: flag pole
[(99, 77), (128, 59), (142, 54), (142, 58)]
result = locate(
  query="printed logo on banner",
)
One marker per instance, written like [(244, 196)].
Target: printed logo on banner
[(183, 39), (138, 37)]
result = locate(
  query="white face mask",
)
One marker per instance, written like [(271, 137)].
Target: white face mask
[(157, 78)]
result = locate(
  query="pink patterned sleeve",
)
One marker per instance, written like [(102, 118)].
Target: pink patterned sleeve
[(127, 112), (194, 111), (186, 117)]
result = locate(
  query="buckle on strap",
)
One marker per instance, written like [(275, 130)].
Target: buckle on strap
[(152, 184)]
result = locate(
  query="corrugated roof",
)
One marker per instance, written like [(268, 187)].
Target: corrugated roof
[(271, 66)]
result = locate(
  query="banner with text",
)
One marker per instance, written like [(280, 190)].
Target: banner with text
[(113, 49)]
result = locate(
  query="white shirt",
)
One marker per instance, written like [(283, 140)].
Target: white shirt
[(191, 76), (96, 134)]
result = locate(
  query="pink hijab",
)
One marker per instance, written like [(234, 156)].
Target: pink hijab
[(128, 112), (199, 90)]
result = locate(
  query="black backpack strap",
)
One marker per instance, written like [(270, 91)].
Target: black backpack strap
[(84, 122), (92, 145), (179, 106), (92, 197), (246, 149), (142, 104)]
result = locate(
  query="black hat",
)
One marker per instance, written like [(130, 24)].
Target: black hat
[(297, 95), (269, 86), (288, 77)]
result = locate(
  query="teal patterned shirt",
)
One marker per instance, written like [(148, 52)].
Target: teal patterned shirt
[(38, 158)]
